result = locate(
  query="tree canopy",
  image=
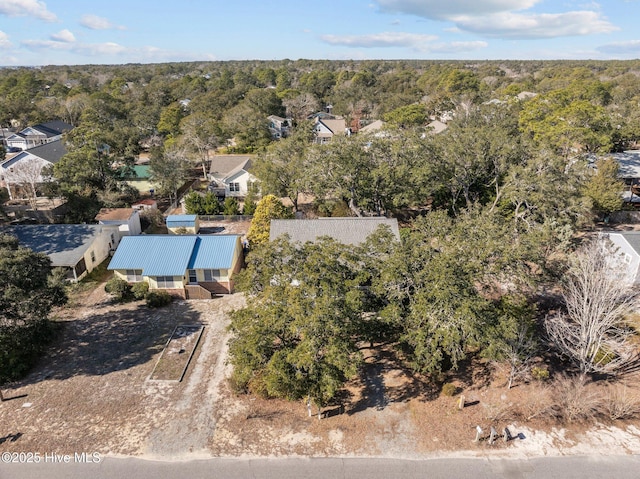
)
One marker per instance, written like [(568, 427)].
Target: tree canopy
[(28, 291)]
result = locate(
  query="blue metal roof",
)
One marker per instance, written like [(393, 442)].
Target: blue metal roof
[(168, 255), (181, 220), (213, 252), (160, 255)]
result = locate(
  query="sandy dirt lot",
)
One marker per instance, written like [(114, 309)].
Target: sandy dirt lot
[(92, 392)]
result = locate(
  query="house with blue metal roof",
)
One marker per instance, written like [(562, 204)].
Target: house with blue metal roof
[(189, 266), (182, 224)]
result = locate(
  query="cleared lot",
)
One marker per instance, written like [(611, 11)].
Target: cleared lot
[(91, 393)]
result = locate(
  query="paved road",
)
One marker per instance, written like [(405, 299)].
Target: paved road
[(619, 467)]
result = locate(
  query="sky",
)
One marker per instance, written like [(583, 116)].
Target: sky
[(78, 32)]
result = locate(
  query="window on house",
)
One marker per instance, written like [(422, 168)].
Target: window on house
[(134, 275), (193, 278), (252, 186), (93, 257), (165, 282), (234, 186), (211, 274)]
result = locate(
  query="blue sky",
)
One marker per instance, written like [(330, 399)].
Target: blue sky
[(72, 32)]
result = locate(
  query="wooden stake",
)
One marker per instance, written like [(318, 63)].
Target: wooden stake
[(492, 437), (461, 403)]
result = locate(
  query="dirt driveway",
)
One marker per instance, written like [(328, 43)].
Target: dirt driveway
[(92, 393)]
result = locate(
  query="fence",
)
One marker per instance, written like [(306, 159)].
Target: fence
[(202, 218), (625, 217)]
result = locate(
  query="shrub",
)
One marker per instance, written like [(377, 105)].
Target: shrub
[(157, 299), (449, 389), (21, 347), (539, 374), (575, 401), (119, 289), (621, 404), (230, 207), (140, 290)]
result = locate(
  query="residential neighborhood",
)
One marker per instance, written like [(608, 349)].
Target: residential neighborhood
[(321, 259)]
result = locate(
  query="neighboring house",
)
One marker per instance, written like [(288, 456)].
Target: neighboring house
[(139, 178), (77, 248), (146, 204), (25, 168), (526, 95), (126, 219), (183, 224), (36, 135), (373, 128), (190, 266), (344, 230), (436, 126), (628, 246), (325, 129), (629, 172), (233, 173), (279, 127)]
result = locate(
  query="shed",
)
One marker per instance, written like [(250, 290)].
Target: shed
[(181, 224)]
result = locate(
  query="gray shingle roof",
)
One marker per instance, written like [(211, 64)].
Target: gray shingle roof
[(51, 152), (633, 238), (223, 166), (343, 230), (629, 162), (53, 128), (64, 244)]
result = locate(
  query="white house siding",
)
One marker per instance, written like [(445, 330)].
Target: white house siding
[(631, 257), (242, 178), (100, 248)]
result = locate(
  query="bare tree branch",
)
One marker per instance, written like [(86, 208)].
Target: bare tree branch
[(598, 296)]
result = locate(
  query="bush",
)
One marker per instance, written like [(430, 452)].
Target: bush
[(140, 290), (119, 289), (621, 404), (449, 389), (230, 207), (575, 401), (539, 374), (157, 299), (21, 347)]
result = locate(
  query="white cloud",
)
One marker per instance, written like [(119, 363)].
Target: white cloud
[(444, 10), (26, 8), (418, 42), (94, 22), (4, 40), (63, 36), (457, 47), (623, 48), (504, 18), (147, 54), (86, 49), (545, 25), (385, 39)]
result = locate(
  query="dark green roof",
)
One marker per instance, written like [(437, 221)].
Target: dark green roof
[(138, 172)]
